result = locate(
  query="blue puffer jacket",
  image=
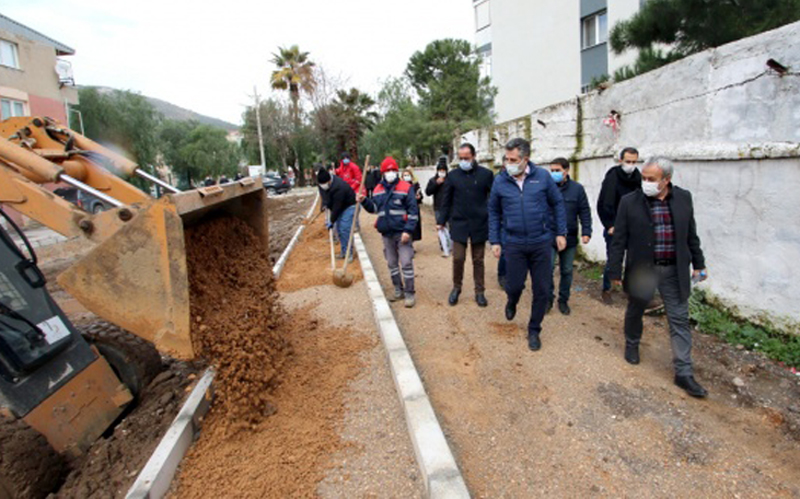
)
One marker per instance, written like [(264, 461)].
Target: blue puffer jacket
[(396, 207), (526, 216)]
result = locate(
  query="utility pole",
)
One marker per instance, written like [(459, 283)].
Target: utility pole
[(260, 136)]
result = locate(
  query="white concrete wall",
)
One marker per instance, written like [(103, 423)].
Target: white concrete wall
[(733, 128)]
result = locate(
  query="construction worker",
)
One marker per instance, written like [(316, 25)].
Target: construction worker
[(350, 172), (340, 201), (394, 201)]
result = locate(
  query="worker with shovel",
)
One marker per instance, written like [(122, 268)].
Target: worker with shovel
[(398, 214), (340, 201)]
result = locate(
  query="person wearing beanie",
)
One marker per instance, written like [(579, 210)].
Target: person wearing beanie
[(408, 176), (340, 201), (350, 172), (394, 201), (435, 188)]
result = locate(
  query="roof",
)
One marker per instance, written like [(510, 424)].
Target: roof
[(12, 26)]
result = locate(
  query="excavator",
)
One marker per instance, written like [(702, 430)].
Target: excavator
[(62, 388)]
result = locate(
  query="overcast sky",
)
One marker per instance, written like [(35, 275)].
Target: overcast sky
[(206, 56)]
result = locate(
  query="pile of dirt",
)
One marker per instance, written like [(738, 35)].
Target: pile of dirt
[(236, 317), (290, 453), (312, 266), (111, 465)]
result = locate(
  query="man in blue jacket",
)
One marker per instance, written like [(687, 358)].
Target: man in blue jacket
[(398, 214), (526, 202), (576, 206)]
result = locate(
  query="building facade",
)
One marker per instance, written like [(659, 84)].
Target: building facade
[(540, 52), (34, 78)]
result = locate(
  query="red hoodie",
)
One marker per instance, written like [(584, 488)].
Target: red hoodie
[(351, 174)]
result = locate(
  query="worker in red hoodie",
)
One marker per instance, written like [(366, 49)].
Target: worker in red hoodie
[(349, 172)]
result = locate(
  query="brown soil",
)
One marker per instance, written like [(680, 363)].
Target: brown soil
[(312, 266), (112, 464), (237, 321), (285, 214), (288, 454)]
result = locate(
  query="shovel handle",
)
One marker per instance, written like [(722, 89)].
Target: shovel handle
[(333, 257), (355, 218)]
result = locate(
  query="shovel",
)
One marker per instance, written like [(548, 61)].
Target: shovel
[(340, 277)]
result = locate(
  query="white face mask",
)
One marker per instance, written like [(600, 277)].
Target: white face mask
[(441, 174), (407, 178), (465, 165), (650, 189), (514, 169), (628, 168), (390, 176), (325, 187)]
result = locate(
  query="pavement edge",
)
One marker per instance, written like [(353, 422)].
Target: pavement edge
[(440, 472)]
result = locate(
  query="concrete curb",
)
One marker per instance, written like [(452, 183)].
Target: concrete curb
[(155, 478), (440, 472), (278, 267)]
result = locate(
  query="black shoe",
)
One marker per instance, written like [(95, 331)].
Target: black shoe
[(534, 343), (511, 311), (501, 280), (691, 386), (454, 296), (549, 307), (480, 299), (564, 308), (632, 354)]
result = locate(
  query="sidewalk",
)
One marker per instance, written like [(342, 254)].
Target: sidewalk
[(574, 419)]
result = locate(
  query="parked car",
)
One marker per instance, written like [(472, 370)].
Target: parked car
[(82, 200), (275, 183)]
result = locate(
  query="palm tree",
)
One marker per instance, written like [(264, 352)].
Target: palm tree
[(295, 72), (352, 109)]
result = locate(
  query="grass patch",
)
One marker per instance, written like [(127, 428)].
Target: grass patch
[(591, 270), (721, 323)]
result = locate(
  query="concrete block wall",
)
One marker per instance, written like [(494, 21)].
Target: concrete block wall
[(732, 125)]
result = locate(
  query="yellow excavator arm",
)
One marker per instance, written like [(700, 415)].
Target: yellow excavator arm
[(136, 276)]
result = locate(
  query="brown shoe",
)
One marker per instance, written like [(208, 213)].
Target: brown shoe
[(607, 299)]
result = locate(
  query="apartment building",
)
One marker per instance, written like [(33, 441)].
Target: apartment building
[(540, 52), (35, 79)]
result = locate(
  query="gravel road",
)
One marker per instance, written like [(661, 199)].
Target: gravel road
[(575, 419)]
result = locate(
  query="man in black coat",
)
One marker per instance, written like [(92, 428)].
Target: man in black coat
[(620, 180), (465, 205), (340, 201), (435, 188), (655, 232), (576, 206)]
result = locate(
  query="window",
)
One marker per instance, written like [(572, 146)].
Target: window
[(10, 108), (8, 54), (482, 17), (594, 30)]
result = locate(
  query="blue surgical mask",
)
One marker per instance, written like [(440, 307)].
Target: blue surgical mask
[(346, 161), (465, 165), (557, 176)]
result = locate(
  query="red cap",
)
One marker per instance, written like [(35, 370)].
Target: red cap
[(389, 164)]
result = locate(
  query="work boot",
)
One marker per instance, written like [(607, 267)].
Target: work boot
[(453, 299), (480, 299), (511, 310), (607, 299), (350, 260), (564, 308), (398, 294), (340, 257), (501, 280), (549, 306), (410, 300), (632, 354), (534, 343), (691, 386)]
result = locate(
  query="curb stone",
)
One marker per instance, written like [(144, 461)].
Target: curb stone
[(439, 470)]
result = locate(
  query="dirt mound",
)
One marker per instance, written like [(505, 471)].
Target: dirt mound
[(312, 266), (112, 464), (236, 317)]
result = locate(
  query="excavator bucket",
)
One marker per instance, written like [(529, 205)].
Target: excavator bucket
[(137, 278)]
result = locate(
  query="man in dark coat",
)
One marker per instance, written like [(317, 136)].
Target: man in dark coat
[(527, 207), (435, 188), (465, 199), (576, 206), (340, 201), (372, 179), (655, 232), (619, 181)]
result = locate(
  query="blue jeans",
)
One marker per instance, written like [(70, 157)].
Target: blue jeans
[(606, 279), (565, 260), (343, 224), (535, 260)]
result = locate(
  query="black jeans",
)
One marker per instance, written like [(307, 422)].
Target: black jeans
[(535, 260)]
